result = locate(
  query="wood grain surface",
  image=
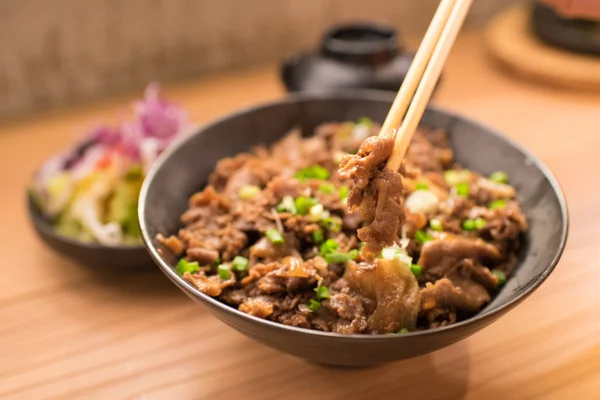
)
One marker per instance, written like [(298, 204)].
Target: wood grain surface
[(69, 332)]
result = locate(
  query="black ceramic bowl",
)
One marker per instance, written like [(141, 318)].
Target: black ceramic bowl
[(119, 258), (184, 168)]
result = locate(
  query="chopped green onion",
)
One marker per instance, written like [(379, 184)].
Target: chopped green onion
[(239, 263), (336, 257), (344, 190), (436, 225), (329, 246), (480, 223), (499, 177), (248, 192), (500, 275), (313, 305), (333, 224), (303, 204), (468, 225), (352, 254), (421, 186), (365, 121), (287, 205), (274, 236), (416, 269), (322, 293), (314, 172), (472, 224), (326, 188), (224, 272), (463, 189), (403, 330), (362, 244), (215, 263), (184, 266), (500, 203), (317, 212), (318, 236), (453, 177), (422, 236)]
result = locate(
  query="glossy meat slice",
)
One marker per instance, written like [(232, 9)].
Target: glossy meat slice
[(440, 255), (392, 287), (377, 194)]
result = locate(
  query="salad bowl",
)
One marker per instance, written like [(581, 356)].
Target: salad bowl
[(83, 201)]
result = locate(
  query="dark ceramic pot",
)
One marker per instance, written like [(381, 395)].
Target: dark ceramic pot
[(184, 168), (353, 56), (117, 258), (577, 35)]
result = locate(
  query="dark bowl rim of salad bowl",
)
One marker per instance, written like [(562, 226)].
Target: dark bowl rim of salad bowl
[(362, 94)]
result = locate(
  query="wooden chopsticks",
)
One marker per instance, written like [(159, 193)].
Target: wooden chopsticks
[(415, 92)]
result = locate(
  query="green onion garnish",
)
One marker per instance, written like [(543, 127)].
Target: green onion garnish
[(239, 263), (248, 192), (436, 225), (344, 190), (322, 293), (287, 205), (224, 272), (499, 177), (313, 305), (303, 204), (472, 224), (403, 330), (453, 178), (336, 257), (480, 223), (352, 254), (422, 236), (416, 269), (184, 266), (463, 189), (500, 275), (274, 236), (318, 236), (318, 212), (326, 188), (329, 246), (468, 225), (500, 203), (215, 263), (314, 172), (421, 186), (365, 121), (333, 224)]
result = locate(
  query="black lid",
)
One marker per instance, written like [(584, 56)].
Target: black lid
[(361, 43)]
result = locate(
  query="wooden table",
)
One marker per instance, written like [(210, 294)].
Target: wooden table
[(69, 332)]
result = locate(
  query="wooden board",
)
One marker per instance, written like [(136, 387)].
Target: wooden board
[(510, 40), (69, 333)]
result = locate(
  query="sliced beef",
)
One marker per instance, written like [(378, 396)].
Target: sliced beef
[(260, 307), (368, 295), (377, 194), (439, 256), (392, 287)]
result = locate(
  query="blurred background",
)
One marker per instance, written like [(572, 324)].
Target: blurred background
[(64, 52)]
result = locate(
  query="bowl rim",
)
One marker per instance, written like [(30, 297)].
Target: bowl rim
[(354, 94)]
